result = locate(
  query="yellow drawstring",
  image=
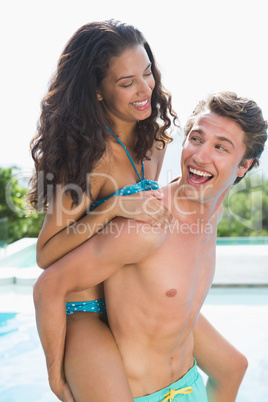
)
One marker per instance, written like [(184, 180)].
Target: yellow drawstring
[(171, 394)]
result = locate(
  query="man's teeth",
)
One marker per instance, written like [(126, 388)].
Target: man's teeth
[(139, 104), (199, 173)]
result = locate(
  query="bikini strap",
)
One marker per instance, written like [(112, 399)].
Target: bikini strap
[(142, 166), (129, 157)]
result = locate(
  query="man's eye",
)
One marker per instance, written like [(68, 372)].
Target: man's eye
[(221, 148), (196, 139)]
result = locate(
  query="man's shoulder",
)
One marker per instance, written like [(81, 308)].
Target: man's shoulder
[(130, 229), (133, 238)]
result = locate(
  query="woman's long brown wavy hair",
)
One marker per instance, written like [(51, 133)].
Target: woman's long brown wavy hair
[(72, 130)]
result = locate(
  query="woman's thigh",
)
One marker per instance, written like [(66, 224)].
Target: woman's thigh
[(93, 366)]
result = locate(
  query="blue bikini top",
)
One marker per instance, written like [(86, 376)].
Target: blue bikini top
[(142, 185)]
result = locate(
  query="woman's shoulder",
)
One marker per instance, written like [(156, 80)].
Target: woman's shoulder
[(106, 162), (159, 148), (102, 169), (157, 155)]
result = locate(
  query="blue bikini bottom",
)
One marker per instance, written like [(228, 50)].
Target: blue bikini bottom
[(96, 306)]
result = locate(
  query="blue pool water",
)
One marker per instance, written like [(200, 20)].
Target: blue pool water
[(240, 314), (7, 324), (227, 241), (23, 371)]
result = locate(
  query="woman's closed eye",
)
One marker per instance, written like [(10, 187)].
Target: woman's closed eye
[(127, 85), (148, 73)]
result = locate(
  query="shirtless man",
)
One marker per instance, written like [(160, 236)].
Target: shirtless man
[(156, 280)]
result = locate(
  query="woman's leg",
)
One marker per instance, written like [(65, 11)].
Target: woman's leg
[(93, 366)]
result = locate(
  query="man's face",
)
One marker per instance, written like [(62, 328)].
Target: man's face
[(211, 157)]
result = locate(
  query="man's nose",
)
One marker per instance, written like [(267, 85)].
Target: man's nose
[(203, 155)]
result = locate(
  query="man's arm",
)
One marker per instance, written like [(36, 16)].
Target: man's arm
[(221, 361), (85, 267)]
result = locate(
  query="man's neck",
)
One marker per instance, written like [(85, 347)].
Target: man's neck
[(193, 210)]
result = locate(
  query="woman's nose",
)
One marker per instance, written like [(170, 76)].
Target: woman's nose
[(143, 88)]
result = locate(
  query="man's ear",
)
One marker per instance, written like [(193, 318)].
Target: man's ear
[(244, 167)]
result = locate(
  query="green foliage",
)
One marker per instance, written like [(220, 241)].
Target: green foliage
[(246, 209), (13, 188)]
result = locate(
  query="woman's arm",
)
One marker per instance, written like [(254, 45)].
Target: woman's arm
[(64, 229), (221, 361), (53, 244), (65, 226)]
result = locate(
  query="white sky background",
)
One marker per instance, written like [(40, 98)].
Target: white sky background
[(200, 46)]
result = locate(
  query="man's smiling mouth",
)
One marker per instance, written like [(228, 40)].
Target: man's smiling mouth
[(199, 176)]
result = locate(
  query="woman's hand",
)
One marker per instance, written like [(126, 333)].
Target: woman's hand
[(62, 390), (145, 206), (58, 383), (67, 395)]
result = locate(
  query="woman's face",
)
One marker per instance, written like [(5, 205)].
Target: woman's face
[(127, 88)]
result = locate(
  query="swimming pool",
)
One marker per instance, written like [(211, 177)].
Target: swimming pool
[(240, 261), (227, 241), (240, 314), (22, 254), (22, 364), (18, 264)]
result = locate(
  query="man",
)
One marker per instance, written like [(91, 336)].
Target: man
[(156, 281)]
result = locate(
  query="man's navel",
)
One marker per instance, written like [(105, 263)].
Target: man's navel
[(171, 292)]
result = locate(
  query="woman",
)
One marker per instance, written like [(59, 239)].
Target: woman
[(100, 118)]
